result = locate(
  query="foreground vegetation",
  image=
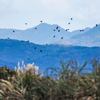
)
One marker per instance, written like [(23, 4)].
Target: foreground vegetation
[(66, 84)]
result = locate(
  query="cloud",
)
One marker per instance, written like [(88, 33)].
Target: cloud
[(57, 5), (19, 5), (4, 1)]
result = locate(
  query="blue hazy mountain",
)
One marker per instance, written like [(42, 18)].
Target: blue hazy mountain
[(90, 38), (14, 51), (41, 34)]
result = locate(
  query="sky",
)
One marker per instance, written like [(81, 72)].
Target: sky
[(15, 13)]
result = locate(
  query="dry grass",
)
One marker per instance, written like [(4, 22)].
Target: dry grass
[(67, 84)]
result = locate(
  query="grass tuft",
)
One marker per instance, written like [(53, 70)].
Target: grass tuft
[(66, 84)]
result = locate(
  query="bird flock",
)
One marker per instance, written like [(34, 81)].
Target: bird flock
[(57, 28)]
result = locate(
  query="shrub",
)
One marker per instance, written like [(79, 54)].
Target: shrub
[(6, 72)]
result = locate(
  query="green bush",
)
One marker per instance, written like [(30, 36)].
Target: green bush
[(6, 72), (67, 84)]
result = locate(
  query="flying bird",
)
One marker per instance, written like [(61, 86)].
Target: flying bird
[(53, 30), (81, 30), (34, 47), (41, 21), (54, 36), (22, 41), (57, 27), (61, 37), (28, 59), (58, 30), (69, 23), (96, 24), (25, 23), (13, 31), (67, 29), (40, 50), (8, 37), (71, 18), (35, 28)]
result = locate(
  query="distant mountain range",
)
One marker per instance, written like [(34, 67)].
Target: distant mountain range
[(14, 51), (53, 34), (46, 45), (89, 38)]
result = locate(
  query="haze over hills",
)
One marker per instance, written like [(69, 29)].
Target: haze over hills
[(14, 51), (90, 38), (41, 34)]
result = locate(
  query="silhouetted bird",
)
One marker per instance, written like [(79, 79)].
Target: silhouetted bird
[(22, 41), (69, 23), (57, 27), (81, 30), (61, 37), (13, 31), (25, 23), (54, 36), (67, 29), (40, 50), (71, 18), (53, 30), (58, 30), (41, 21), (28, 59), (96, 24), (34, 47), (35, 28)]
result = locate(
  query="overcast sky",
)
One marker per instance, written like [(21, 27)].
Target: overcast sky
[(15, 13)]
